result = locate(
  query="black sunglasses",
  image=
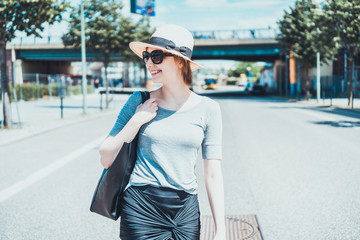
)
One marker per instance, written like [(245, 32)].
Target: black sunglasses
[(157, 56)]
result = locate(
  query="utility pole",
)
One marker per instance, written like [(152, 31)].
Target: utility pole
[(83, 57), (318, 84), (13, 60)]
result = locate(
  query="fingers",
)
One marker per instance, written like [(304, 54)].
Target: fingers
[(154, 105), (151, 101), (149, 104)]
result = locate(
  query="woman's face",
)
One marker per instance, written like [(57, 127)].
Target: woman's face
[(168, 69)]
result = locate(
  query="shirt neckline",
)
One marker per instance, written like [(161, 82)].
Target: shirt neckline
[(183, 111)]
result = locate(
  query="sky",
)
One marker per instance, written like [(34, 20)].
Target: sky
[(197, 15), (220, 14)]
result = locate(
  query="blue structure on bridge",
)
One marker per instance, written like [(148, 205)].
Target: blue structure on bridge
[(266, 52), (249, 52), (58, 53), (241, 45)]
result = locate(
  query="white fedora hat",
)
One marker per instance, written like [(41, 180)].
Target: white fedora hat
[(169, 38)]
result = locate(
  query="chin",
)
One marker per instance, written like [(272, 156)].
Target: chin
[(155, 85)]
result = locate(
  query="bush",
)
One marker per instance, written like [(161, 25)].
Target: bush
[(33, 91), (76, 90)]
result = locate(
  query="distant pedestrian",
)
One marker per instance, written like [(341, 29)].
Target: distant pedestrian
[(97, 85), (160, 201)]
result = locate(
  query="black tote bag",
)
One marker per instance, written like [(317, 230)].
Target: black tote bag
[(109, 191)]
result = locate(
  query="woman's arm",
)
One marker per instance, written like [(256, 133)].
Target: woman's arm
[(112, 144), (215, 190)]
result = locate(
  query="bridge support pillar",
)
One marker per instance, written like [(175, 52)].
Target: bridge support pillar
[(292, 71), (46, 67)]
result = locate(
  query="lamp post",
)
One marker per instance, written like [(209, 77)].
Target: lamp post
[(318, 85), (83, 58), (319, 11), (13, 60)]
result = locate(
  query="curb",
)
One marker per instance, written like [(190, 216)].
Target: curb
[(313, 102), (333, 105), (57, 125)]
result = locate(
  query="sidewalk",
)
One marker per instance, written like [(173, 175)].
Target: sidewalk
[(341, 103), (45, 114)]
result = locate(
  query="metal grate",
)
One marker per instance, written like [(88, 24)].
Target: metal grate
[(243, 227)]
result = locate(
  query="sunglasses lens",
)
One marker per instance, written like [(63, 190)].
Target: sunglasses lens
[(157, 56), (146, 56)]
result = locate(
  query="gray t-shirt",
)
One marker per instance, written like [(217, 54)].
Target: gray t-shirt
[(169, 144)]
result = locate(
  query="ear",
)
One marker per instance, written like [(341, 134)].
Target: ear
[(179, 62)]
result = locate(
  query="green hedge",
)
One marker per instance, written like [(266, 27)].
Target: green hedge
[(33, 91)]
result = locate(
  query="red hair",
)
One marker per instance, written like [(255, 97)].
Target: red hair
[(186, 72)]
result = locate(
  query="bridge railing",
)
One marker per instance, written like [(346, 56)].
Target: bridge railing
[(50, 39), (258, 33)]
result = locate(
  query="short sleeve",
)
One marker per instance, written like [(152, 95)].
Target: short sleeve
[(126, 112), (212, 143)]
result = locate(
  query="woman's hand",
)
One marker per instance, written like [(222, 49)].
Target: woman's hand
[(146, 112)]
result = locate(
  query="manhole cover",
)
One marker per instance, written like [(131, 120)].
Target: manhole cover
[(241, 227)]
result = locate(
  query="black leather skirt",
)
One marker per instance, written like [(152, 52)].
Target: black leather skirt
[(155, 213)]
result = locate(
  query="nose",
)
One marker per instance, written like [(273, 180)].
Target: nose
[(149, 63)]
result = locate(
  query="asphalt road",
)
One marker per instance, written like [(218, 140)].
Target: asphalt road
[(296, 167)]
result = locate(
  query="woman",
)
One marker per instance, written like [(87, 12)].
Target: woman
[(160, 201)]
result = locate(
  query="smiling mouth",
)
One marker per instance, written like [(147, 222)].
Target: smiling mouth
[(153, 73)]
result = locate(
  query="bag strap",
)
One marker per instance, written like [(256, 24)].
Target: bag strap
[(145, 95)]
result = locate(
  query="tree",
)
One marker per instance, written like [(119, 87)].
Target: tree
[(28, 17), (246, 68), (345, 19), (106, 31), (306, 30), (142, 34)]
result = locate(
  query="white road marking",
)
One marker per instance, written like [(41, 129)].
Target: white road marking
[(42, 173)]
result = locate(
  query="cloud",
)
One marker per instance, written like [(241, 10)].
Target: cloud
[(162, 9), (257, 23), (257, 4), (204, 3)]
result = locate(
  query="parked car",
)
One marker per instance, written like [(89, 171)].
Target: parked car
[(211, 83), (254, 88)]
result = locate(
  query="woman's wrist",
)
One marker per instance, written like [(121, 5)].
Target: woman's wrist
[(136, 121), (130, 130)]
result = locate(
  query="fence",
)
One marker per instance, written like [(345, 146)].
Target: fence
[(332, 86), (336, 86), (35, 86)]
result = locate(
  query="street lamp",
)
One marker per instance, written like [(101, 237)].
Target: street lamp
[(83, 57), (319, 11)]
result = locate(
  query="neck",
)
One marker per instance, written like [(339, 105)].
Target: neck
[(175, 91)]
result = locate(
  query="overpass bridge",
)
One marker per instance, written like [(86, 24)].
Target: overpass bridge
[(241, 45)]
